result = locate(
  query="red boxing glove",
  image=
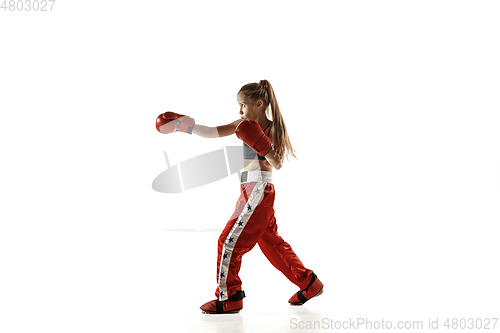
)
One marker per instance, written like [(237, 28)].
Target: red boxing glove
[(170, 122), (251, 133)]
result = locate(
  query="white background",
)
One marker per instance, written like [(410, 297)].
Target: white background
[(393, 108)]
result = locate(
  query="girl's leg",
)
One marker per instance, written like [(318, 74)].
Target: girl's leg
[(253, 210), (281, 255)]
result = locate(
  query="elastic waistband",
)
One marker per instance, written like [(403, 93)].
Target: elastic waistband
[(256, 176)]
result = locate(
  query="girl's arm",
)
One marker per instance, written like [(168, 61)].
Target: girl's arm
[(216, 132), (273, 159)]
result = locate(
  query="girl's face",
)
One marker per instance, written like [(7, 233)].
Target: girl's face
[(249, 110)]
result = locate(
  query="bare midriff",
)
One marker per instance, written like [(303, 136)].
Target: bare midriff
[(252, 165)]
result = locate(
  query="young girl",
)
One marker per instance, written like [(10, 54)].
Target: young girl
[(265, 144)]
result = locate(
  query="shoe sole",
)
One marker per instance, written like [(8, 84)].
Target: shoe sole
[(213, 312)]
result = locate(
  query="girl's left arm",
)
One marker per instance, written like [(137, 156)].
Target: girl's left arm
[(215, 132), (273, 159)]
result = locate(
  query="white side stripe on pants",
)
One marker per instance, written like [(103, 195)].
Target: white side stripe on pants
[(227, 250)]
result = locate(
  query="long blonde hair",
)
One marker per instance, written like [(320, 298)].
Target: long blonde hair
[(278, 134)]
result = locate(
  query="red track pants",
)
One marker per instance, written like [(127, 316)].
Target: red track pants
[(253, 222)]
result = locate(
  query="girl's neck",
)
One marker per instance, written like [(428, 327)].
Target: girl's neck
[(263, 122)]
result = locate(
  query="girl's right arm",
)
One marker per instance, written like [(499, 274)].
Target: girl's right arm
[(216, 132)]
